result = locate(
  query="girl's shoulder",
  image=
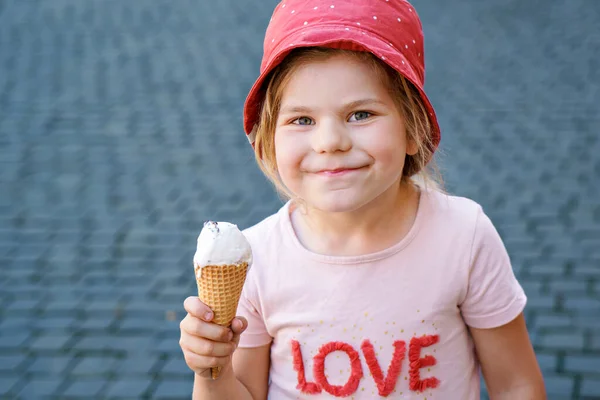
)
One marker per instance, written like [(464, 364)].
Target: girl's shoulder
[(268, 231), (452, 207), (453, 214)]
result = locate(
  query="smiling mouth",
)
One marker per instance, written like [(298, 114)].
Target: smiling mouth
[(338, 171)]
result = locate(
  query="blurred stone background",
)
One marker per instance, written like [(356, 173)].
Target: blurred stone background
[(120, 133)]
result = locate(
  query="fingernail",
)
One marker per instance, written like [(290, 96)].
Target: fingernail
[(208, 315)]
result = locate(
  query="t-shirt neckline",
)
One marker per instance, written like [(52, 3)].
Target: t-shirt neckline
[(363, 258)]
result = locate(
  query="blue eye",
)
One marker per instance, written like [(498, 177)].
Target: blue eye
[(360, 115), (303, 121)]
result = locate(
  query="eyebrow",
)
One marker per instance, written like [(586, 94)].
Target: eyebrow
[(291, 109)]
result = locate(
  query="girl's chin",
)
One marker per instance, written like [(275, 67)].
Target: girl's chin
[(338, 203)]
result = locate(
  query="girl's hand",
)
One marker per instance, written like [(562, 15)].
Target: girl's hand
[(204, 344)]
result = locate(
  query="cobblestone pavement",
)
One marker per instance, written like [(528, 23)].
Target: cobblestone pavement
[(120, 133)]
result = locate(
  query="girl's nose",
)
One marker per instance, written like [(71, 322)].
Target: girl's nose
[(329, 137)]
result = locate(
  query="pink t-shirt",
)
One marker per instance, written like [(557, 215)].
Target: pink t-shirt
[(391, 324)]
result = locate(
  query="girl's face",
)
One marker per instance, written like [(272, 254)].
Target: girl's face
[(340, 140)]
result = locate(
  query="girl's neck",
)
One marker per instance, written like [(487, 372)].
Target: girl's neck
[(369, 229)]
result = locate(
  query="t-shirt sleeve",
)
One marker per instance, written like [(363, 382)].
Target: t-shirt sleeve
[(256, 334), (494, 297)]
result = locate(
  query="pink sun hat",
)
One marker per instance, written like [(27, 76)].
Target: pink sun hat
[(390, 29)]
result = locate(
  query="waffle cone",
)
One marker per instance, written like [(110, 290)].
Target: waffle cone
[(220, 288)]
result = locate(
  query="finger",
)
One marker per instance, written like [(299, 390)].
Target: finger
[(198, 309), (198, 361), (206, 347), (239, 325), (196, 327)]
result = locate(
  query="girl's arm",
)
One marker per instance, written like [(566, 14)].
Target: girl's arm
[(508, 362), (251, 367), (247, 380)]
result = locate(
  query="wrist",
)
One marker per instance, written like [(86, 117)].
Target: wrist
[(206, 375)]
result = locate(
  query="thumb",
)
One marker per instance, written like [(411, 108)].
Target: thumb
[(238, 325)]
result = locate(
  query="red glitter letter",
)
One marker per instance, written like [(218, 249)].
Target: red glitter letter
[(416, 363), (303, 386), (355, 376), (387, 386)]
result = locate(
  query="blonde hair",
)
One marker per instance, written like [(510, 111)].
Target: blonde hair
[(419, 169)]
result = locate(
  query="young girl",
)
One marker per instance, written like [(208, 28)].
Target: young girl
[(370, 282)]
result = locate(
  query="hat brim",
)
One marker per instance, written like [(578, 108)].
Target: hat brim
[(346, 37)]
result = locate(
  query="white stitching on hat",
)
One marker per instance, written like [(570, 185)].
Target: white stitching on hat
[(315, 8), (332, 6), (374, 16), (305, 22), (399, 20)]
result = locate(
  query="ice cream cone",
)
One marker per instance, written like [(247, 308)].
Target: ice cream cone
[(220, 288)]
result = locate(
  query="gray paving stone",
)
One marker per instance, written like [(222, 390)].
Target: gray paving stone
[(141, 364), (133, 388), (22, 306), (13, 339), (84, 388), (38, 388), (94, 366), (564, 341), (51, 365), (543, 303), (587, 320), (547, 362), (132, 344), (50, 342), (559, 387), (17, 326), (569, 286), (175, 366), (7, 384), (553, 321), (55, 323), (11, 362), (134, 324), (582, 363), (590, 388), (583, 305), (595, 339), (61, 307), (96, 324), (93, 343), (174, 388)]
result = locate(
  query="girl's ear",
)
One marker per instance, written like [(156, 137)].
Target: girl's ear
[(411, 147)]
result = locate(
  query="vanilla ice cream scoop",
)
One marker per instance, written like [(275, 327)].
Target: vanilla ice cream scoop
[(221, 243)]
